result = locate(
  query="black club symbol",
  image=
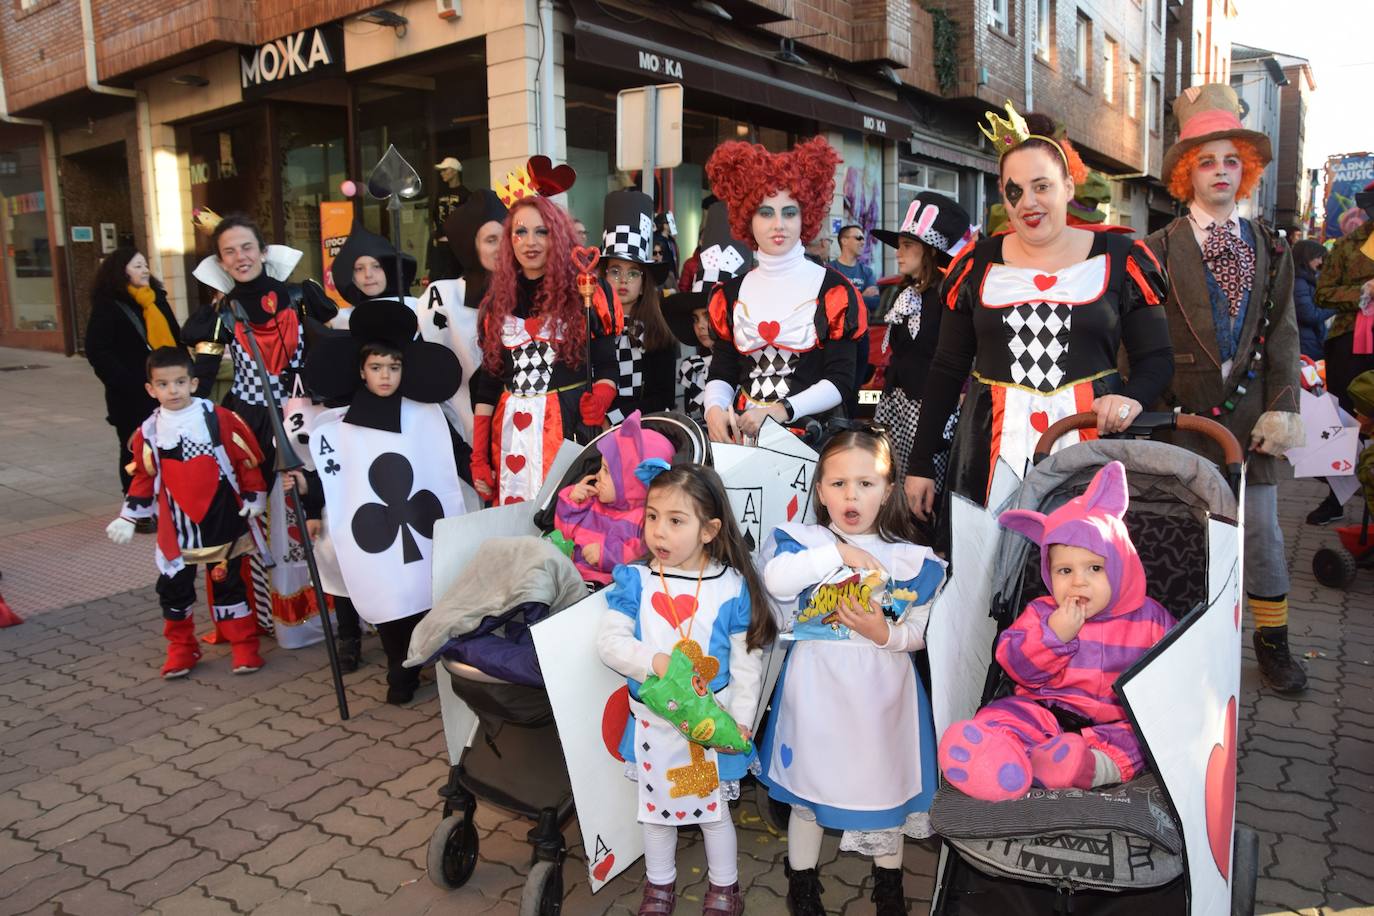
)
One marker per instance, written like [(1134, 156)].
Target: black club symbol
[(376, 525), (331, 466)]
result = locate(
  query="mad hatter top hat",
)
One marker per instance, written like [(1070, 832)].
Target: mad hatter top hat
[(936, 220), (628, 233), (1206, 113)]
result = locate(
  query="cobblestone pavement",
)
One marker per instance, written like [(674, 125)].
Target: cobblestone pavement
[(122, 793)]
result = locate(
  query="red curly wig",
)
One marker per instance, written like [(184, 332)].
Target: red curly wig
[(743, 174), (1251, 167), (557, 296)]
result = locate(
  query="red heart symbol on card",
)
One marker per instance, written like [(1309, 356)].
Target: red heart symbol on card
[(1237, 615), (649, 805), (1221, 793), (269, 303), (512, 499), (548, 178), (1340, 464), (769, 330), (1043, 282), (585, 259), (613, 718), (516, 463), (602, 868), (711, 807), (521, 419), (1040, 421), (792, 508), (681, 814), (647, 768), (677, 610)]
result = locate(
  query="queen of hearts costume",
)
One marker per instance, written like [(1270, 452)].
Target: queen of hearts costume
[(787, 331), (851, 742)]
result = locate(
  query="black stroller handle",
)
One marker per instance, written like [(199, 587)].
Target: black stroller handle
[(1147, 426)]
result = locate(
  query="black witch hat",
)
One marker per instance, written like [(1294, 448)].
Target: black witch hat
[(430, 372), (361, 242), (628, 231), (722, 257)]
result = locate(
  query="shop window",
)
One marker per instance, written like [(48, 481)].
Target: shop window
[(313, 164), (24, 234), (230, 172)]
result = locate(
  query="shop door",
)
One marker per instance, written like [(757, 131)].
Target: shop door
[(95, 191)]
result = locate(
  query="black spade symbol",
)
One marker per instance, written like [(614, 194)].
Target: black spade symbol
[(440, 320), (376, 525)]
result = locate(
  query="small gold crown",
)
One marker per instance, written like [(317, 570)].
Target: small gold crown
[(1007, 133), (516, 186)]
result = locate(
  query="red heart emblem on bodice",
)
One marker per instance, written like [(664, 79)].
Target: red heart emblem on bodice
[(676, 611), (769, 330), (1220, 799), (1043, 282), (277, 340), (548, 178), (532, 326), (192, 484), (269, 303), (521, 419), (516, 463), (1040, 421)]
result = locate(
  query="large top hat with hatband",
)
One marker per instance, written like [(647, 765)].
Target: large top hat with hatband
[(1207, 113)]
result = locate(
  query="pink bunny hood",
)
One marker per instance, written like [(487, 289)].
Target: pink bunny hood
[(1092, 521)]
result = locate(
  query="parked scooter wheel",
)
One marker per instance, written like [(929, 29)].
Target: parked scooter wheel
[(452, 852), (1334, 567)]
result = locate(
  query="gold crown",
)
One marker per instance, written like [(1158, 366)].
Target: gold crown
[(1007, 133), (516, 186)]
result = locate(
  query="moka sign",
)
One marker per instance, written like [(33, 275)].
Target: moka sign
[(291, 60)]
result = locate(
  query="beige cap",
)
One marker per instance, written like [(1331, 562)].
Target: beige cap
[(450, 163)]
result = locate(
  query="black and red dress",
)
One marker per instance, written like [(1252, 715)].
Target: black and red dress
[(536, 394), (1041, 348), (787, 329)]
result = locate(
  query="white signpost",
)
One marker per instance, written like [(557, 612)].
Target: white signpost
[(648, 130)]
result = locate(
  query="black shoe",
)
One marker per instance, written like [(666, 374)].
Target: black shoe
[(1328, 512), (350, 653), (400, 696), (1278, 667), (888, 897), (804, 892)]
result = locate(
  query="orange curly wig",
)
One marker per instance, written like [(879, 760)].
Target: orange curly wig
[(1251, 167), (743, 174)]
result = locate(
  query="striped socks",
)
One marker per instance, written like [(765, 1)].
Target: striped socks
[(1269, 612)]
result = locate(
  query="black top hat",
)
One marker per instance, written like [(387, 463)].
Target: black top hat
[(482, 206), (936, 220), (362, 242), (628, 230)]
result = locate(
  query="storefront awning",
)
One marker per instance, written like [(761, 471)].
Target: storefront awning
[(665, 55)]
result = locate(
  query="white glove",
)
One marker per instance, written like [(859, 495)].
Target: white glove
[(121, 530), (252, 508)]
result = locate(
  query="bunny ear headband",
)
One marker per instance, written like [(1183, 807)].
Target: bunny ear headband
[(1106, 495)]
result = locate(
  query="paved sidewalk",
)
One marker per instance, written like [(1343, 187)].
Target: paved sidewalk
[(122, 793)]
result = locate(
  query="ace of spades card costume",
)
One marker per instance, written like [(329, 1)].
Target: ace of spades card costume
[(1235, 340), (194, 470), (720, 257), (285, 319)]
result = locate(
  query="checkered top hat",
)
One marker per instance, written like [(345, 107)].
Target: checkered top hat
[(936, 220), (628, 221)]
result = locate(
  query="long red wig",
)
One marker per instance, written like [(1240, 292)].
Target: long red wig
[(743, 174), (557, 298), (1251, 167)]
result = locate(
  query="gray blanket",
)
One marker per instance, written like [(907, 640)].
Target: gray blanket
[(505, 572)]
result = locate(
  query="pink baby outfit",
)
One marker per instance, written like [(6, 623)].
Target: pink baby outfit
[(1010, 741), (634, 456)]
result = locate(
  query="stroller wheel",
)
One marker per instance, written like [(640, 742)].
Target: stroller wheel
[(543, 894), (1334, 567), (1244, 871), (452, 852)]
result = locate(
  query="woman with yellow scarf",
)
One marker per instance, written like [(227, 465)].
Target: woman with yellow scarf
[(129, 318)]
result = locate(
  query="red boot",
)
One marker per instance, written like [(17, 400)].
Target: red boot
[(243, 643), (182, 650)]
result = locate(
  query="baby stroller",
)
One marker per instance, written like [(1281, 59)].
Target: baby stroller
[(1166, 841), (490, 689)]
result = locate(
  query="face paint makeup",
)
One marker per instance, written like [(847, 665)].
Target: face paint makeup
[(1013, 193)]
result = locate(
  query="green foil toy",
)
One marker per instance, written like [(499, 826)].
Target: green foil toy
[(683, 698)]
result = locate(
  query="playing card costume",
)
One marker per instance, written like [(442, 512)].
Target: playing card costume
[(851, 741), (194, 469), (387, 469), (362, 242), (448, 308), (549, 365), (788, 328), (644, 377), (1064, 708), (1235, 340), (913, 326), (284, 319), (1041, 346), (720, 257)]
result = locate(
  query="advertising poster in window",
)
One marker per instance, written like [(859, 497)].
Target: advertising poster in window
[(336, 219)]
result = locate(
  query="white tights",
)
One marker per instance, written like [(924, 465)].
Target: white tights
[(660, 852), (804, 837)]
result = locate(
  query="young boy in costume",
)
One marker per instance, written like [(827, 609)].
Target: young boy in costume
[(197, 469), (1235, 339)]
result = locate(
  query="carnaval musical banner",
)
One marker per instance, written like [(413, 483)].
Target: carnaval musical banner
[(1345, 177)]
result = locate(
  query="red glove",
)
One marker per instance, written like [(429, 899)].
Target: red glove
[(596, 402), (481, 453)]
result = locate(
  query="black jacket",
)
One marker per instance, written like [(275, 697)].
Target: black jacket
[(117, 348)]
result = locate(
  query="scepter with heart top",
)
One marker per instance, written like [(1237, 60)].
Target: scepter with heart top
[(585, 260)]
